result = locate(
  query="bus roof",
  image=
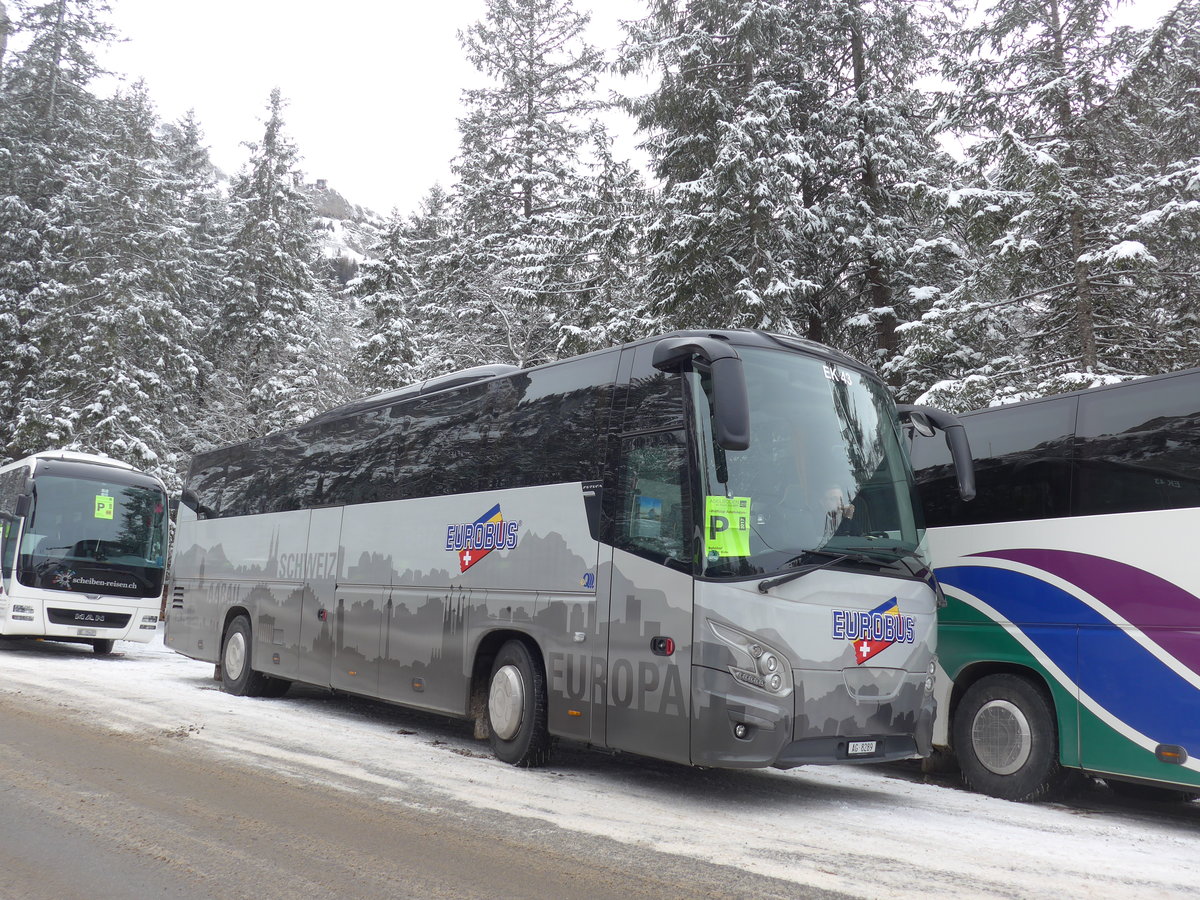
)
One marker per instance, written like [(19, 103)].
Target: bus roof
[(1089, 391)]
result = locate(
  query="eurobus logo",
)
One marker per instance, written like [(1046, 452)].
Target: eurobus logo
[(472, 541), (873, 632)]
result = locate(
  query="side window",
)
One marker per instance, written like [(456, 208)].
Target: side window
[(1139, 447), (653, 506), (11, 483), (654, 399), (1022, 466)]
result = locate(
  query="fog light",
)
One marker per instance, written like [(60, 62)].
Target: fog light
[(756, 651), (775, 682), (928, 684), (741, 730)]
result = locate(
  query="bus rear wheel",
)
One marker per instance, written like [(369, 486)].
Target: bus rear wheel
[(1006, 741), (237, 675), (516, 708)]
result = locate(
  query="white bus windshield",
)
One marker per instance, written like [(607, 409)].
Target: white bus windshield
[(96, 537), (824, 472)]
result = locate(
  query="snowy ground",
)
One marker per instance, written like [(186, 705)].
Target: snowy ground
[(867, 831)]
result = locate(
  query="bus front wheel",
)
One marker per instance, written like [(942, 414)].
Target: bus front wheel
[(237, 675), (516, 708), (102, 647), (1006, 740)]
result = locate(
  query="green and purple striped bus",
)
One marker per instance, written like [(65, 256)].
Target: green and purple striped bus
[(1070, 637)]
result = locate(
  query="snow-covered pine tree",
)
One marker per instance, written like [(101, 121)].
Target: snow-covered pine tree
[(1033, 81), (726, 236), (790, 144), (120, 380), (1157, 106), (47, 128), (611, 309), (520, 251), (205, 226), (386, 290), (269, 299)]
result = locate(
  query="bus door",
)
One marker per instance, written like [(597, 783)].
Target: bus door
[(650, 630), (325, 625)]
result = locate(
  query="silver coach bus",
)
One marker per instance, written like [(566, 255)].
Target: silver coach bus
[(702, 547)]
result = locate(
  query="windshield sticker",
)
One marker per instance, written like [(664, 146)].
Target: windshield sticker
[(105, 506), (647, 517), (873, 632), (472, 541), (726, 526)]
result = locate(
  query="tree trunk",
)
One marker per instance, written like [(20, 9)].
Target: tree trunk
[(4, 27), (878, 288), (1085, 311)]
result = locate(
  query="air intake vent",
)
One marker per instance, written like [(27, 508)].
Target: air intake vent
[(177, 598)]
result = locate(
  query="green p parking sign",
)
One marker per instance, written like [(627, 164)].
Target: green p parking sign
[(727, 526)]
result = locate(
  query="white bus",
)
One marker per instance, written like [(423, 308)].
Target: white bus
[(1071, 637), (83, 545), (701, 547)]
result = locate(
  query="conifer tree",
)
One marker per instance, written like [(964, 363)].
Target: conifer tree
[(790, 144), (47, 129), (519, 252), (270, 290)]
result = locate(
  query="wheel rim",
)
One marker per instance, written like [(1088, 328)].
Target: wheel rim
[(235, 655), (506, 702), (1001, 737)]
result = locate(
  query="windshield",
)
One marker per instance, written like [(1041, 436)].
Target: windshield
[(824, 471), (94, 537)]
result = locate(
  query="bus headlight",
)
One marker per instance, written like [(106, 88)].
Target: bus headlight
[(756, 664)]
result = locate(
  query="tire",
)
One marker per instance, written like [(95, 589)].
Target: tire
[(1134, 791), (237, 672), (516, 708), (102, 647), (1006, 740)]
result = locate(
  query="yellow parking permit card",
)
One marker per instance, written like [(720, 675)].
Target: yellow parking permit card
[(105, 506)]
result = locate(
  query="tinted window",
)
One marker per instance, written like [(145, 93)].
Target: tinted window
[(654, 399), (653, 511), (550, 425), (1022, 466), (1139, 447), (539, 427)]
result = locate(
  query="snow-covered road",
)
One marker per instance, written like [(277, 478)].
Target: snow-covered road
[(870, 832)]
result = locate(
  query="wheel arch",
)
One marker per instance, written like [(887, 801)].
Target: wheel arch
[(1067, 728), (481, 670)]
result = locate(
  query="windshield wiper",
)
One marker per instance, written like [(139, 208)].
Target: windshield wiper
[(835, 557)]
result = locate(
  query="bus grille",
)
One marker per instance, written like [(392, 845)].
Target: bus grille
[(88, 619)]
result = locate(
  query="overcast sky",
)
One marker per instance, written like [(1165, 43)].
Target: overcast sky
[(373, 87)]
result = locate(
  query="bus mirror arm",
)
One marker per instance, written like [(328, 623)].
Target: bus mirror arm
[(731, 406), (22, 505), (927, 418)]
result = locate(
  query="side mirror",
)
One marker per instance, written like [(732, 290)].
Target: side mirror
[(925, 420), (22, 506), (731, 408)]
